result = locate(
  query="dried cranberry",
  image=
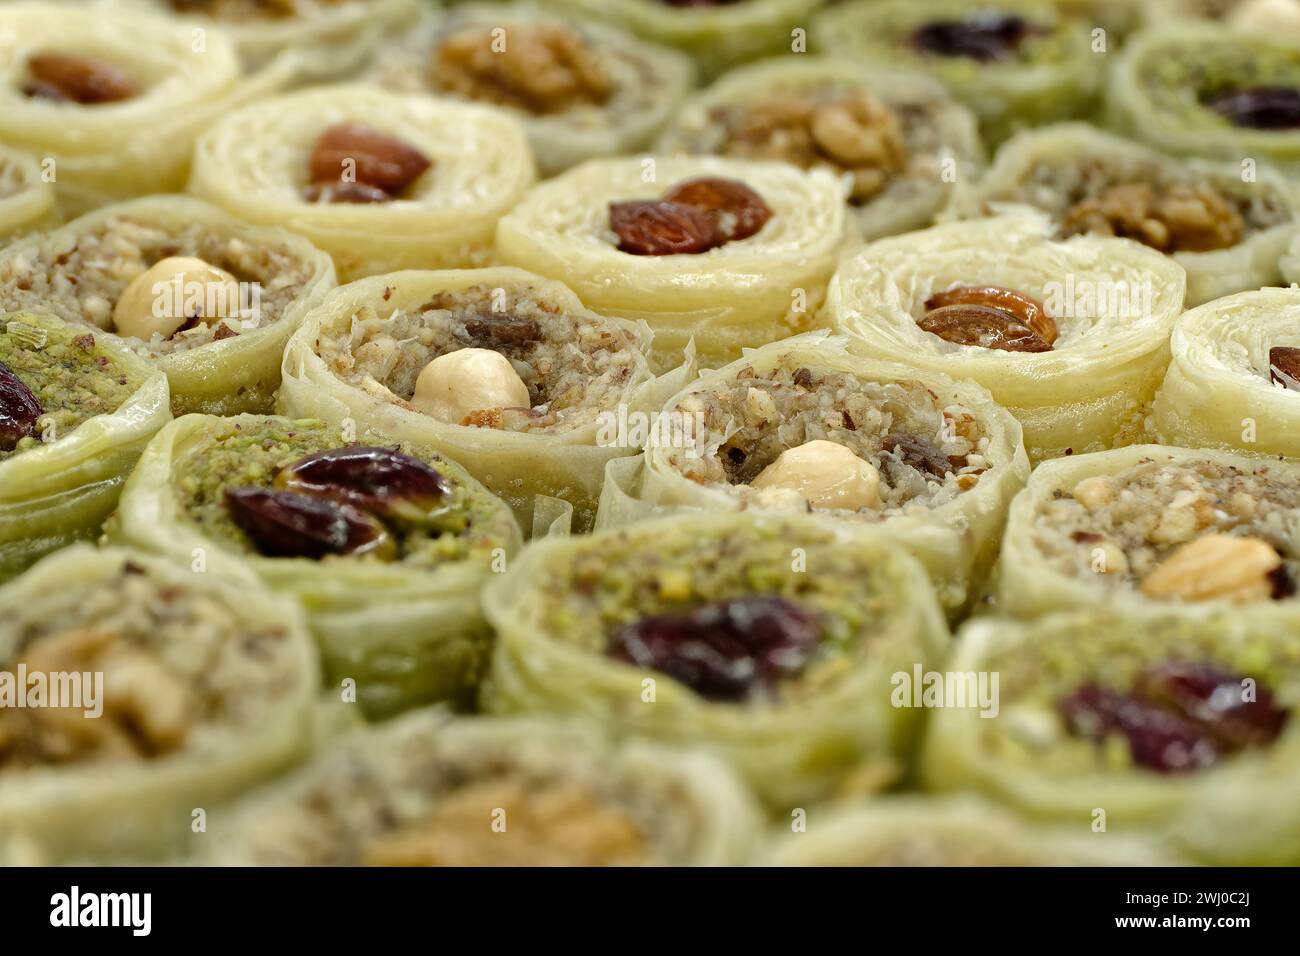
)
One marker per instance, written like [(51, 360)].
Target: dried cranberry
[(1214, 699), (655, 228), (19, 409), (738, 212), (983, 36), (727, 649), (379, 480), (1260, 107), (1158, 739), (286, 524)]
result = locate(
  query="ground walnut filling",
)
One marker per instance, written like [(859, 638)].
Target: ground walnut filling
[(181, 670), (53, 380), (1183, 531), (906, 450), (569, 367), (292, 490), (214, 285), (692, 217)]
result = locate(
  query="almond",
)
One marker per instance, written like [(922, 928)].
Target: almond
[(1216, 567)]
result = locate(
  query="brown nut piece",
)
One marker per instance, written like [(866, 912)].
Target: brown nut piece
[(1183, 218), (377, 159), (19, 409), (1216, 567), (345, 193), (737, 211), (656, 228), (286, 524), (74, 78), (1284, 366), (1023, 307), (378, 480), (984, 326)]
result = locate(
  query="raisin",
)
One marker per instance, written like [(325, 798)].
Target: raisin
[(1284, 584), (345, 193), (1260, 107), (738, 212), (1215, 700), (803, 377), (286, 524), (654, 228), (983, 326), (378, 480), (382, 161), (1284, 366), (76, 79), (19, 409), (982, 36), (1158, 739), (499, 331), (727, 649), (919, 453)]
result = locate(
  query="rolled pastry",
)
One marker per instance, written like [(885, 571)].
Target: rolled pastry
[(205, 297), (582, 90), (1232, 376), (897, 136), (385, 544), (923, 459), (1151, 524), (1081, 381), (561, 376), (114, 98), (1198, 89), (423, 790), (744, 292), (421, 184), (163, 692), (1227, 226), (1015, 63), (26, 197), (771, 640), (1173, 725), (76, 410), (716, 36)]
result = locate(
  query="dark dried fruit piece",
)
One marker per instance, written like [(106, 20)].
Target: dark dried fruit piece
[(286, 524), (725, 650), (738, 212), (1023, 307), (984, 326), (1260, 107), (382, 161), (19, 409), (920, 453), (982, 36), (655, 228), (1215, 700), (1158, 739), (378, 480), (345, 193), (498, 330), (70, 78), (1284, 366)]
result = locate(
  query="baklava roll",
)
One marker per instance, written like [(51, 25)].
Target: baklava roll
[(201, 295), (1227, 230), (729, 252), (1015, 63), (805, 425), (1151, 524), (380, 180), (423, 790), (504, 371), (581, 90), (897, 137), (114, 99), (717, 36), (1198, 89), (384, 543), (775, 641), (26, 196), (1271, 16), (1070, 334), (1162, 724), (76, 410), (161, 693), (1235, 364)]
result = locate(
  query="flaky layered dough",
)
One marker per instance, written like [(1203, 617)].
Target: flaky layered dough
[(80, 270), (1246, 224), (255, 163), (745, 293), (140, 145), (26, 198), (425, 790), (204, 690), (358, 356), (937, 139), (1071, 545), (1218, 391), (754, 409), (631, 87), (1113, 300)]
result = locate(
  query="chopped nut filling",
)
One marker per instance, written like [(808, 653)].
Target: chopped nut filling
[(1182, 218)]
